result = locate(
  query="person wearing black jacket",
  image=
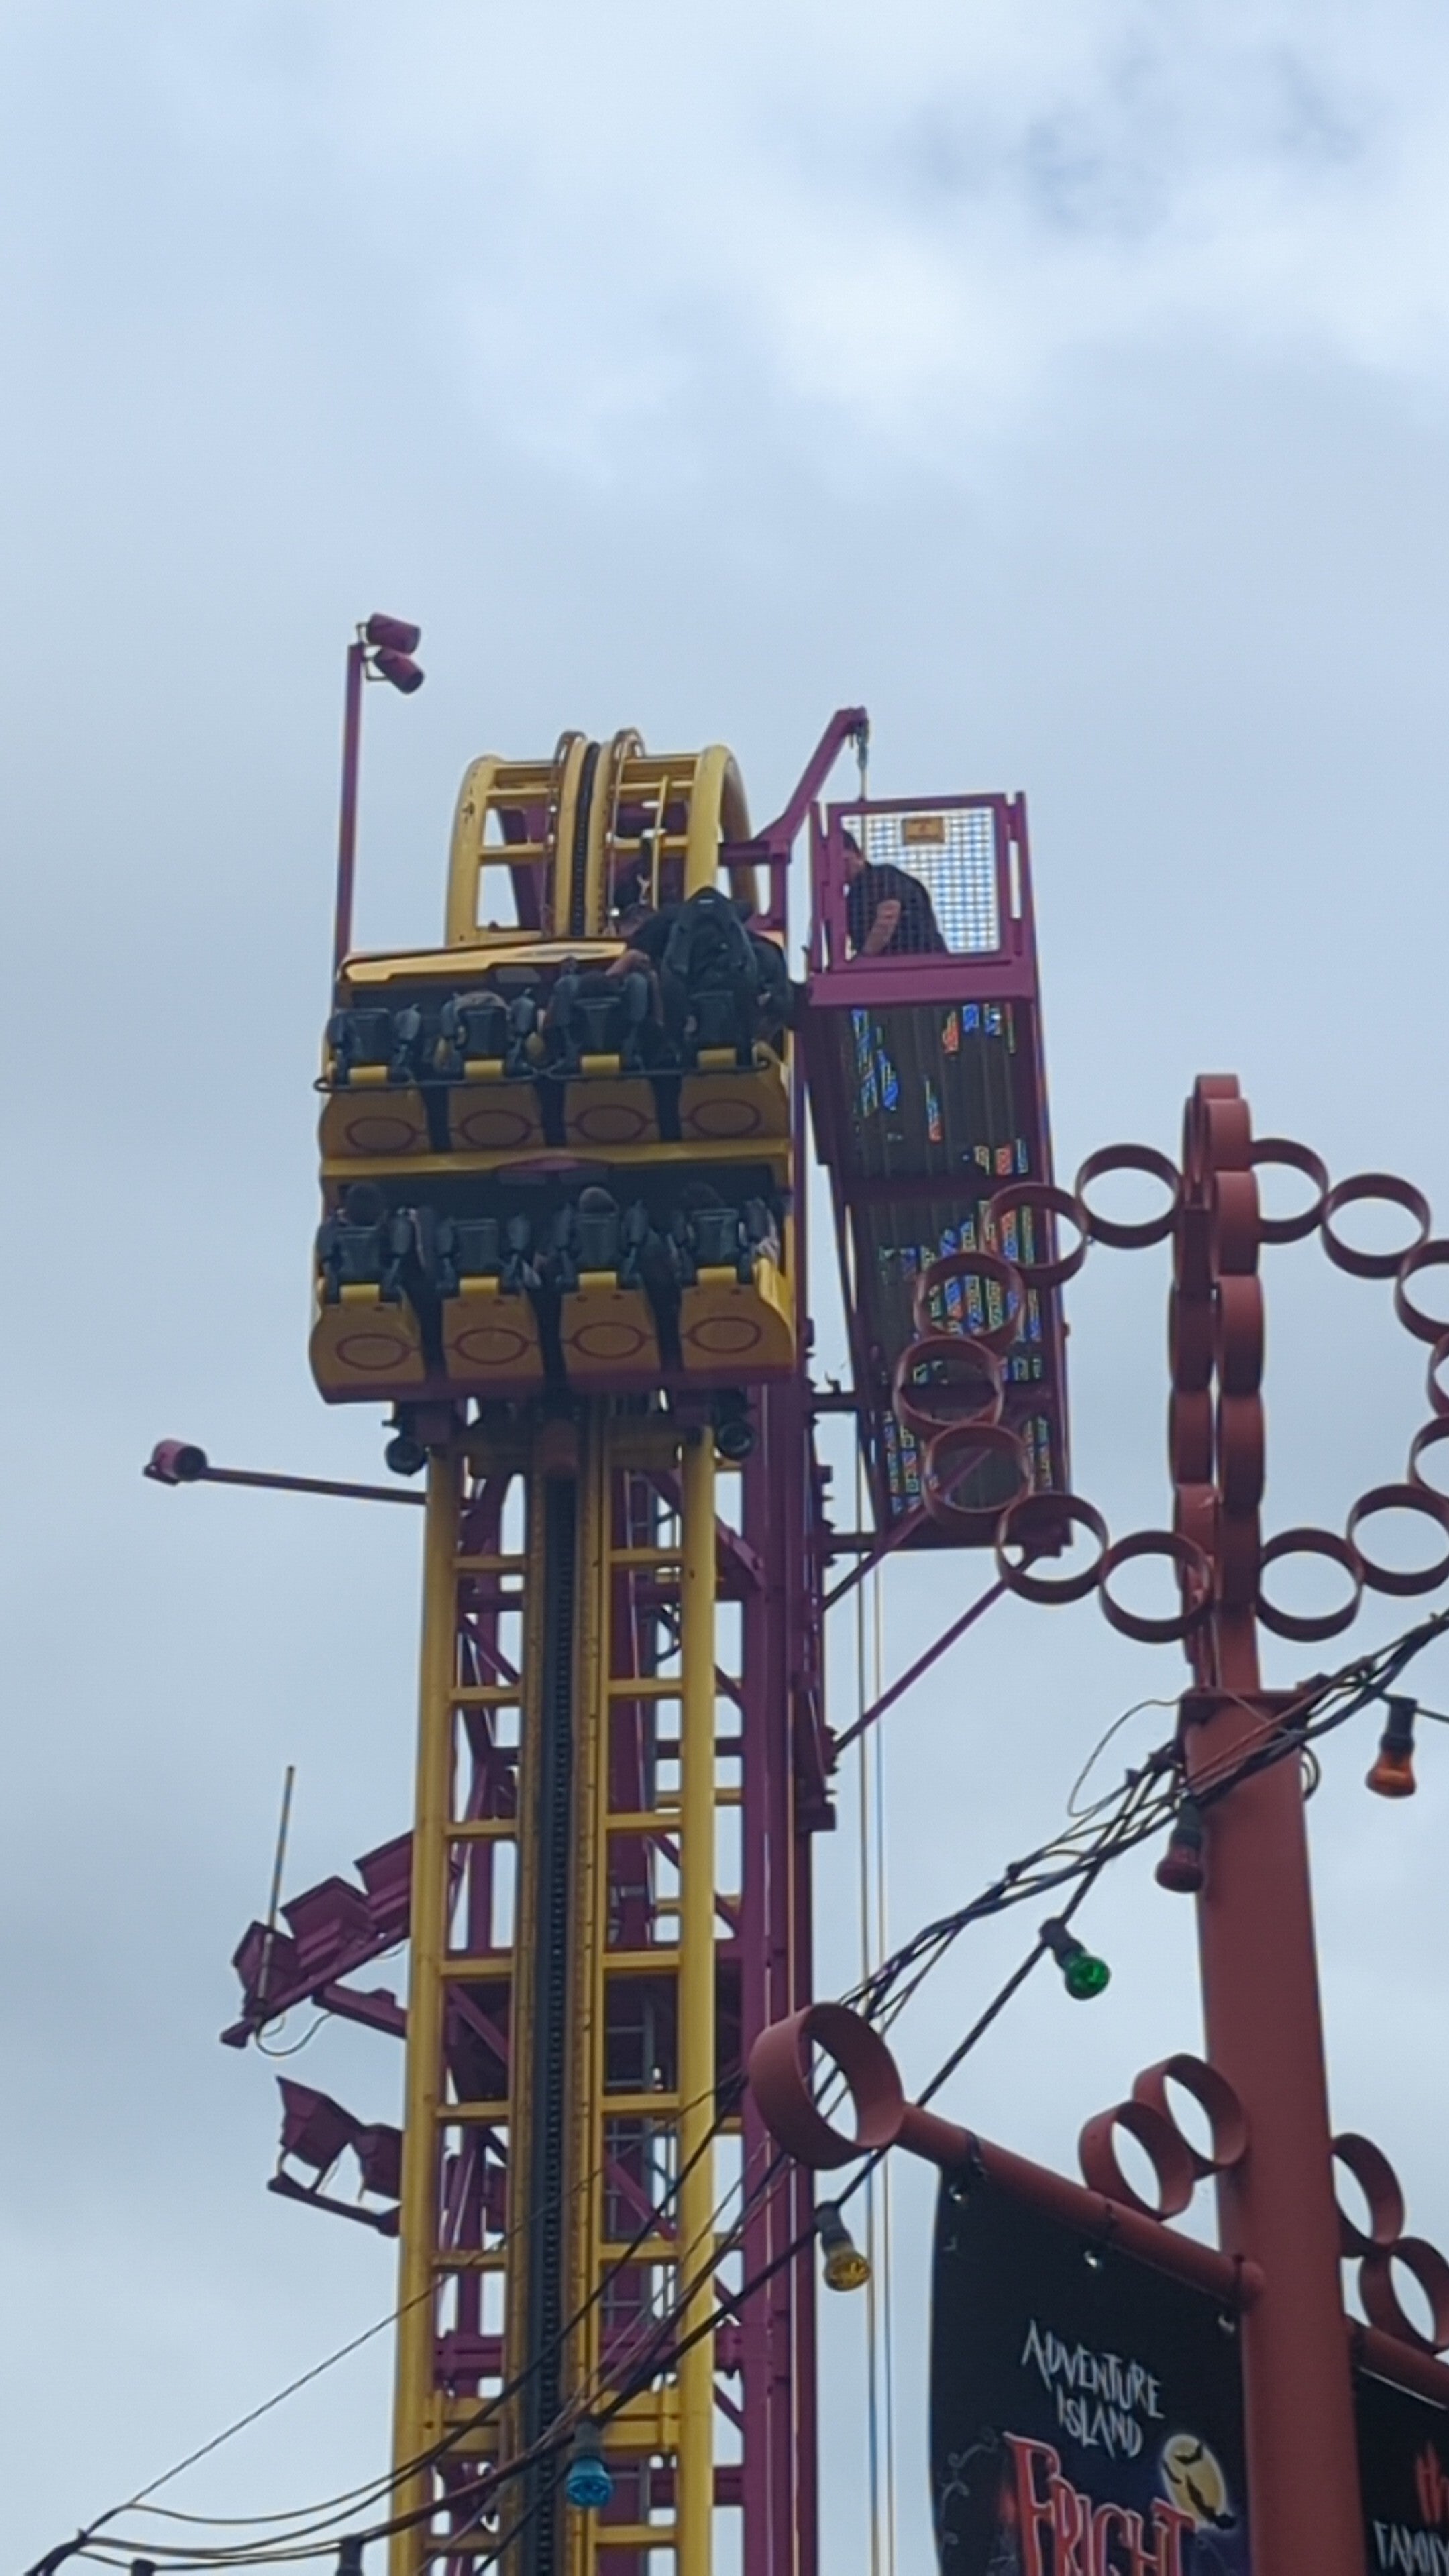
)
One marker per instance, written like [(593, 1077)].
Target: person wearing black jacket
[(888, 912)]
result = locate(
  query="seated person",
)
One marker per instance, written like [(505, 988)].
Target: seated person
[(599, 1011), (364, 1244), (888, 912), (705, 948)]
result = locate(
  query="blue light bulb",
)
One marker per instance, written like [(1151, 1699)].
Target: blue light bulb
[(587, 2482)]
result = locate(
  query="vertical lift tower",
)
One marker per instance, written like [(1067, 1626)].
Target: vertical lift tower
[(563, 1238)]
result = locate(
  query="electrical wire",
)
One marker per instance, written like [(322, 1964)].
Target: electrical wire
[(311, 2522), (1139, 1810), (293, 2547), (373, 2488), (865, 1910), (296, 2046)]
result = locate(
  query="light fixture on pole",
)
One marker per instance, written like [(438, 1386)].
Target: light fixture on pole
[(382, 649)]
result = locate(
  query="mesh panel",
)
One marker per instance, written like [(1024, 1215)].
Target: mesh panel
[(896, 1240), (993, 1482), (933, 1089), (953, 853)]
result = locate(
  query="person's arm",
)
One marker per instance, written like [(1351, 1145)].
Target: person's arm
[(883, 928)]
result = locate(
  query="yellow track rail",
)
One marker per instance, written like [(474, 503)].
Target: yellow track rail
[(610, 2109)]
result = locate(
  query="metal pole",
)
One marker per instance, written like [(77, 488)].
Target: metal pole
[(1255, 1913), (416, 2404), (922, 1664), (1264, 2033), (347, 821), (695, 2489), (274, 1900)]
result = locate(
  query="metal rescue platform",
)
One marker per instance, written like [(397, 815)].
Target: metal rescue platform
[(563, 1238)]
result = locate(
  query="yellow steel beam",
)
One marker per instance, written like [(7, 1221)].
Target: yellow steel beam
[(415, 2414)]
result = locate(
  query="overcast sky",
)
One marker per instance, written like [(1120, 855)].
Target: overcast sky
[(1066, 381)]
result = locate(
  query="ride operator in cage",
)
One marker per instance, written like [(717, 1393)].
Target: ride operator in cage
[(888, 912)]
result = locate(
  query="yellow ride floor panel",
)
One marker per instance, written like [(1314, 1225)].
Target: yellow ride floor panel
[(728, 1331), (606, 1332), (373, 1118), (492, 1113), (604, 1106), (365, 1344), (720, 1104), (490, 1337)]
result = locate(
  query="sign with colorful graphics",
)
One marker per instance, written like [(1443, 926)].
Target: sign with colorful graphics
[(1086, 2409), (1403, 2457)]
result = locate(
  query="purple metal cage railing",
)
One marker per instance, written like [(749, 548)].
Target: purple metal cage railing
[(928, 1093)]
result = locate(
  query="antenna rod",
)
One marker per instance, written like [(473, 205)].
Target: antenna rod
[(276, 1895)]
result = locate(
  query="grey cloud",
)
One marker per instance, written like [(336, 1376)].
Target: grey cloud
[(701, 421)]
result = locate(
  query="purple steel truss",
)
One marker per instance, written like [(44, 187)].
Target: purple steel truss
[(767, 1565)]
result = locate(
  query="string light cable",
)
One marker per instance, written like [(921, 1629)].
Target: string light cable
[(310, 2523), (372, 2488), (1122, 1820), (1021, 1880)]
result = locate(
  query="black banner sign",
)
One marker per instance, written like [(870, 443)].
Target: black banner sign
[(1086, 2410), (1403, 2458)]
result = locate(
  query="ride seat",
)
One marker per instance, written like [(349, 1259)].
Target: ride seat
[(366, 1338), (719, 1102), (736, 1312), (473, 1028), (484, 1277), (374, 1106), (607, 1327), (485, 1051), (601, 1035)]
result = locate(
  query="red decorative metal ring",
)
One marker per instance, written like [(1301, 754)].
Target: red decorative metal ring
[(1401, 1498), (1012, 1531), (1372, 1185), (1428, 1438), (1240, 1334), (1166, 2148), (952, 1454), (1438, 1395), (1190, 1436), (1192, 1253), (1237, 1221), (1051, 1202), (1240, 1453), (1196, 1159), (1213, 2094), (910, 1400), (1239, 1557), (1433, 1255), (1227, 1128), (1195, 1515), (1304, 1628), (1191, 1341), (1130, 1158), (780, 2082), (1381, 2299), (1191, 1563), (1381, 2188), (1298, 1158), (973, 1265)]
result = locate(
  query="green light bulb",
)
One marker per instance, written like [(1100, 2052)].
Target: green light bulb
[(1085, 1977), (1082, 1975)]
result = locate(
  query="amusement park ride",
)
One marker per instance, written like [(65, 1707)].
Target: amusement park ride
[(563, 1240)]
